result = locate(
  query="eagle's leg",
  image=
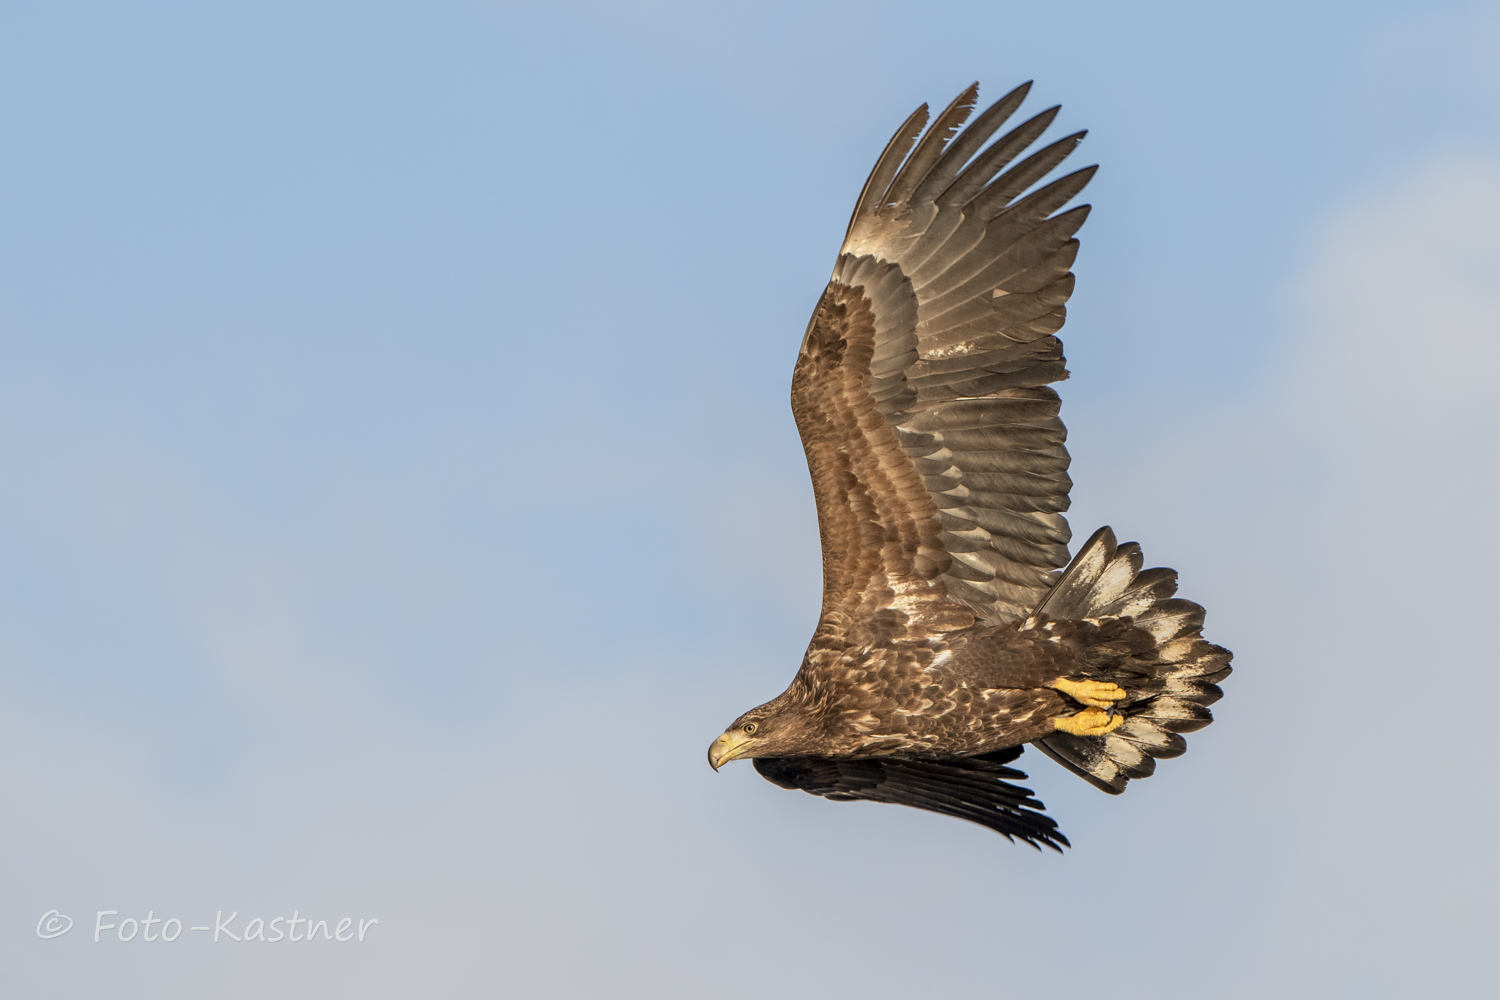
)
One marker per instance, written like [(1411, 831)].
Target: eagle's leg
[(1099, 694), (1089, 722)]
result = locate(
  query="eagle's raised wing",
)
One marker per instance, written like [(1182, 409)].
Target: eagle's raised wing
[(971, 788), (921, 391)]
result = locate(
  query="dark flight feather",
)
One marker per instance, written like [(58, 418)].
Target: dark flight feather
[(968, 142), (973, 177), (971, 788), (889, 162)]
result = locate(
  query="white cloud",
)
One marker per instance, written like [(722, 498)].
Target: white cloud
[(1403, 309)]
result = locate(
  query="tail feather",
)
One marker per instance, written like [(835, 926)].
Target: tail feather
[(1171, 679), (1171, 619), (1149, 586)]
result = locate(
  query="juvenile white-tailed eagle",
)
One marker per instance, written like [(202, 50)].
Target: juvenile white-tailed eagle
[(950, 636)]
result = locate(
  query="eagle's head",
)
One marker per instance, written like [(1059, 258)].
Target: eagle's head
[(779, 728)]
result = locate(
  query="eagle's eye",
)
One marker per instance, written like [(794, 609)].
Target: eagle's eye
[(749, 728)]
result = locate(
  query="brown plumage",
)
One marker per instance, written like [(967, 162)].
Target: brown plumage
[(948, 637)]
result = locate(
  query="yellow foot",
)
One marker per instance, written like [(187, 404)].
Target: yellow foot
[(1089, 722), (1100, 694)]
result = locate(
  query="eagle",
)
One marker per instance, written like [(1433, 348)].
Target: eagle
[(954, 629)]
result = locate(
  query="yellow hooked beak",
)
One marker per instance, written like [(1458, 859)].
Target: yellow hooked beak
[(728, 747)]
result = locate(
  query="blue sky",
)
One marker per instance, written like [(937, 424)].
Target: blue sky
[(400, 491)]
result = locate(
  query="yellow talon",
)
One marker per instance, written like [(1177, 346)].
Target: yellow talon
[(1099, 694), (1089, 722)]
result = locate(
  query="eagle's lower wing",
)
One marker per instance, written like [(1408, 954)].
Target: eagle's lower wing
[(921, 390), (972, 788)]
